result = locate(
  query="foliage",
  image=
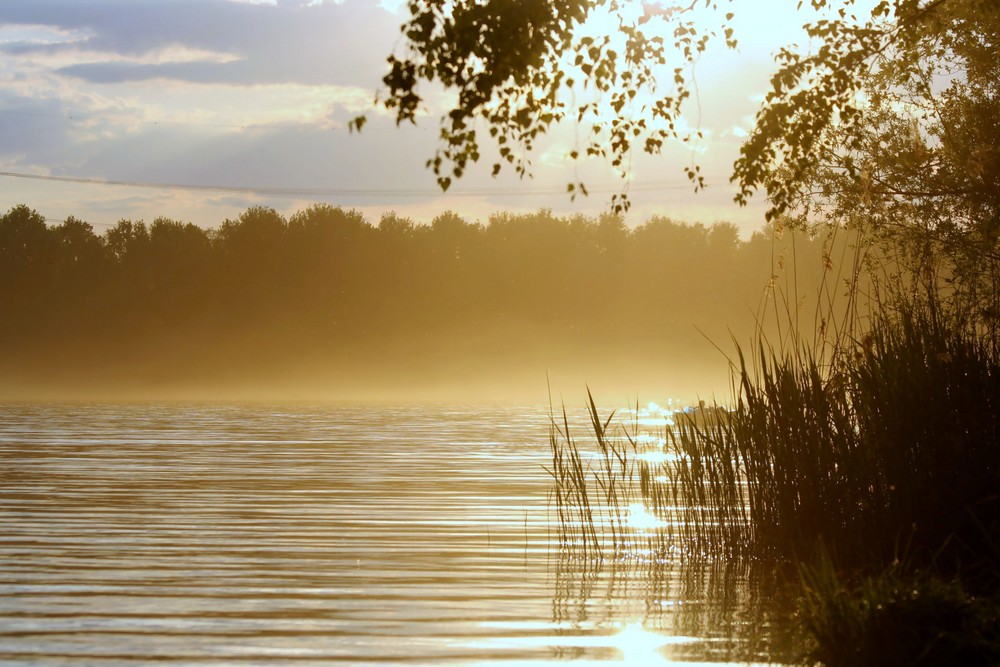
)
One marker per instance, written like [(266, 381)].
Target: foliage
[(922, 172), (821, 100), (512, 65), (896, 617)]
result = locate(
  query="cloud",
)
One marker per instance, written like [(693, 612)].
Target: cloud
[(291, 42), (252, 94), (85, 78)]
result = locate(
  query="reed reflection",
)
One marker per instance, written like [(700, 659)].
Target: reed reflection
[(635, 542), (685, 610)]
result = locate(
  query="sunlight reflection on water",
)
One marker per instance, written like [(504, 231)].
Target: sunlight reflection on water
[(640, 518), (254, 535), (630, 645)]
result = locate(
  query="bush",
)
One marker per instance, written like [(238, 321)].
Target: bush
[(896, 618)]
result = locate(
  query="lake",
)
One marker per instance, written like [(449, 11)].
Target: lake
[(264, 535)]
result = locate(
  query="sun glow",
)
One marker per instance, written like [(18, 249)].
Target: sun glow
[(654, 414), (640, 518), (639, 646), (635, 644)]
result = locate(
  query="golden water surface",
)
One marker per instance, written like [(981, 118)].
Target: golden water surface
[(263, 535)]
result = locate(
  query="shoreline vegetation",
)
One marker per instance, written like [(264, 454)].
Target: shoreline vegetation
[(870, 476)]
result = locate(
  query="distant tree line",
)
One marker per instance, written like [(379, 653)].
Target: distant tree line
[(328, 283)]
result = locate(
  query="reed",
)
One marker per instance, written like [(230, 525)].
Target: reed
[(577, 527), (896, 449), (666, 494)]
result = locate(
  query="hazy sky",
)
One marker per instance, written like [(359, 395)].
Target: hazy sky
[(258, 95)]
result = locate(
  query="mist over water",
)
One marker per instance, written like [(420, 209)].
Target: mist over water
[(328, 306)]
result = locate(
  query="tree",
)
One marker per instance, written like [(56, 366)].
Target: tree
[(82, 256), (26, 253), (324, 227), (24, 239), (128, 241), (253, 251), (511, 64), (329, 251), (77, 242), (179, 264), (921, 172)]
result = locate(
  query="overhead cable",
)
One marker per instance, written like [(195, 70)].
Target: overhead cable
[(274, 191)]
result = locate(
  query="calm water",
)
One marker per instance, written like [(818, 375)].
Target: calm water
[(262, 536)]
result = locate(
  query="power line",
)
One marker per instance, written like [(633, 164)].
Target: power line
[(80, 117), (274, 191)]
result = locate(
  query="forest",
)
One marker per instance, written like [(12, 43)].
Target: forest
[(328, 303)]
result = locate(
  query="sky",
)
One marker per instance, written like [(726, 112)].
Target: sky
[(247, 103)]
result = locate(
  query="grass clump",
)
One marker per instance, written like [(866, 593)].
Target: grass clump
[(897, 617)]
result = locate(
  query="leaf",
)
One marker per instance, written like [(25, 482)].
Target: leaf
[(356, 123)]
